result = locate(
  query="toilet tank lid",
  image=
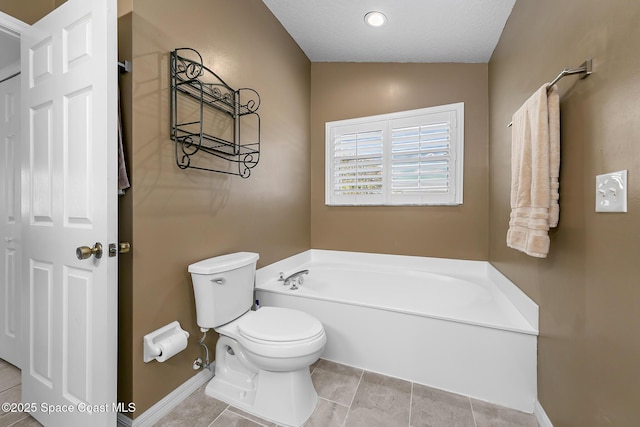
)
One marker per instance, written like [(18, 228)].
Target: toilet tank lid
[(223, 263)]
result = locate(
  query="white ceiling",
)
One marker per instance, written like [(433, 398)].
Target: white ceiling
[(416, 30)]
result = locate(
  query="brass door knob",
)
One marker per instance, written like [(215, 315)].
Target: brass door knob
[(120, 248), (84, 252)]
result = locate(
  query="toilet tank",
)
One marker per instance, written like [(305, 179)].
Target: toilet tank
[(223, 287)]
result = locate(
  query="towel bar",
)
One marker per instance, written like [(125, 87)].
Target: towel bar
[(584, 69)]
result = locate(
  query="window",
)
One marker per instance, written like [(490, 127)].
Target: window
[(407, 158)]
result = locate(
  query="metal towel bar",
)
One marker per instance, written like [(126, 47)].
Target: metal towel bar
[(584, 70)]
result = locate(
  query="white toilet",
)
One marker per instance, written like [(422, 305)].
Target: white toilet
[(263, 356)]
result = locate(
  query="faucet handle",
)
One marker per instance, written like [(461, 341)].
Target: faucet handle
[(281, 277)]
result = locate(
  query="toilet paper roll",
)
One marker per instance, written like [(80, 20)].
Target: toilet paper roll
[(171, 345)]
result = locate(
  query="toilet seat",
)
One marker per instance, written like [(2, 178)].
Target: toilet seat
[(275, 332), (279, 325)]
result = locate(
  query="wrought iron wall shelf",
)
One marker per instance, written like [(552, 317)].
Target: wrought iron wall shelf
[(214, 101)]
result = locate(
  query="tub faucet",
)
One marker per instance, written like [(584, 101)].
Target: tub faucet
[(295, 279)]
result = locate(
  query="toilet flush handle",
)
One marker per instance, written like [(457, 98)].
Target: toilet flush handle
[(218, 280)]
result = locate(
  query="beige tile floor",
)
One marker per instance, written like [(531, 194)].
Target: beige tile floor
[(352, 397), (349, 397), (11, 392)]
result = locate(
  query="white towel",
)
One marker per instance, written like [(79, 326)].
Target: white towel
[(553, 104), (535, 166)]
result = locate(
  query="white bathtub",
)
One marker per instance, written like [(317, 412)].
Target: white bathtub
[(455, 325)]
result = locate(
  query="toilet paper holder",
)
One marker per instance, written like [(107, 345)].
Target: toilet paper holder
[(152, 341)]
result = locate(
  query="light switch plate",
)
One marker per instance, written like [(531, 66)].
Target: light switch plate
[(611, 192)]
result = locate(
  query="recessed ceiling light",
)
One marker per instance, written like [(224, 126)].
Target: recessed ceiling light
[(375, 19)]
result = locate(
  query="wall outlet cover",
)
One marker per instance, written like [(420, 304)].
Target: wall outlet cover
[(611, 192)]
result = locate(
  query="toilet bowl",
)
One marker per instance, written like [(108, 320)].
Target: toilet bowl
[(263, 356)]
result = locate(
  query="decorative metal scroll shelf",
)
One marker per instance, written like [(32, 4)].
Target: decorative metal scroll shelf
[(191, 79)]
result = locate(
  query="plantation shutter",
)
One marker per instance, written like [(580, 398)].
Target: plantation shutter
[(422, 159), (357, 157), (408, 158)]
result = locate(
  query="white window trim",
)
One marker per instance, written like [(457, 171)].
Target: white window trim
[(456, 112)]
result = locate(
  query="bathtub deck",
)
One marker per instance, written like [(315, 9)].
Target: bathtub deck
[(487, 352)]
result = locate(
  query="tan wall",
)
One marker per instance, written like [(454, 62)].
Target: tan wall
[(29, 11), (124, 7), (587, 288), (348, 90), (183, 216)]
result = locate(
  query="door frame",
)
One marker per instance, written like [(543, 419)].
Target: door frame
[(11, 25), (11, 230), (14, 28)]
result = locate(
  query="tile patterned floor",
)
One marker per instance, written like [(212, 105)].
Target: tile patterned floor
[(11, 392), (352, 397), (349, 397)]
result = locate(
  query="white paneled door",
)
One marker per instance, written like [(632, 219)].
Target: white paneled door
[(10, 331), (69, 195)]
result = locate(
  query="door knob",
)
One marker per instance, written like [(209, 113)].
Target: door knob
[(120, 248), (84, 252)]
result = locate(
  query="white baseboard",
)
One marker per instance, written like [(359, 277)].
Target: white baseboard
[(170, 401), (541, 416)]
